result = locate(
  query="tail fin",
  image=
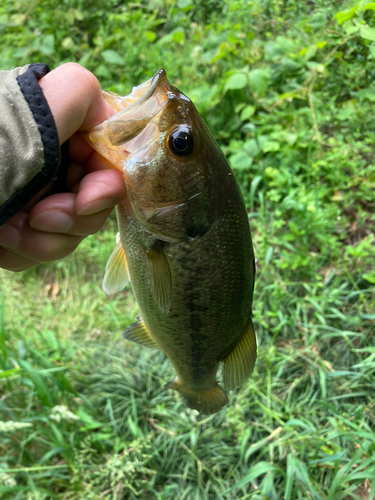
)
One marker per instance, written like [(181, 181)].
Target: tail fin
[(205, 401)]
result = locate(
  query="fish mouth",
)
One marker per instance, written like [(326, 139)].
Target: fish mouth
[(134, 113), (152, 84)]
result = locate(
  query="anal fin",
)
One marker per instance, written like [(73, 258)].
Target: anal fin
[(239, 364), (138, 332)]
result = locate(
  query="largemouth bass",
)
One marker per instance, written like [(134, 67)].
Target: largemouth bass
[(184, 241)]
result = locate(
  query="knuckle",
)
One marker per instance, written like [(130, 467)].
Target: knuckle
[(80, 73)]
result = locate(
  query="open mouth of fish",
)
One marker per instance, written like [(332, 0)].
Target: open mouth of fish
[(135, 124)]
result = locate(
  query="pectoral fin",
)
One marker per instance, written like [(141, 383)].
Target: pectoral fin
[(160, 277), (138, 332), (116, 275), (239, 364)]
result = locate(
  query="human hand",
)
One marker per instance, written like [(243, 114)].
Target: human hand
[(53, 227)]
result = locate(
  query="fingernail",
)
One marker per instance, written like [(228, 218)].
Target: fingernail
[(96, 206), (52, 221), (9, 237)]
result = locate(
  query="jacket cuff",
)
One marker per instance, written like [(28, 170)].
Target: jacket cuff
[(33, 95)]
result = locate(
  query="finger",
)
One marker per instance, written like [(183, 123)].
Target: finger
[(32, 246), (79, 150), (13, 262), (82, 213), (74, 97), (58, 215), (98, 162), (99, 190), (37, 197), (74, 175)]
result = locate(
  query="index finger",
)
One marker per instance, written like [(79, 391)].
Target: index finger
[(74, 97)]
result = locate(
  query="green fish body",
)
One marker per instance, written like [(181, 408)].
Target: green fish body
[(185, 242)]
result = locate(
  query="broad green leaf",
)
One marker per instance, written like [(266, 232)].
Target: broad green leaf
[(21, 52), (239, 107), (67, 43), (270, 146), (291, 138), (368, 93), (281, 46), (351, 28), (166, 39), (367, 33), (345, 15), (48, 45), (259, 80), (241, 161), (289, 65), (308, 52), (247, 112), (150, 35), (345, 114), (18, 19), (370, 277), (236, 81), (253, 147), (204, 97), (86, 56), (185, 5), (113, 57), (369, 6), (178, 36), (318, 19)]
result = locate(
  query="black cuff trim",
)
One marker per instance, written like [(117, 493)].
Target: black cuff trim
[(43, 117)]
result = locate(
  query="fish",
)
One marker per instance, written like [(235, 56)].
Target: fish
[(184, 241)]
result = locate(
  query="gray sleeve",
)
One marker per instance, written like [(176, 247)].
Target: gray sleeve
[(29, 143)]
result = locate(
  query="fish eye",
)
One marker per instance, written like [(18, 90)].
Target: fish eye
[(181, 142)]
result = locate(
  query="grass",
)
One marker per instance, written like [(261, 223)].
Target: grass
[(287, 89)]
